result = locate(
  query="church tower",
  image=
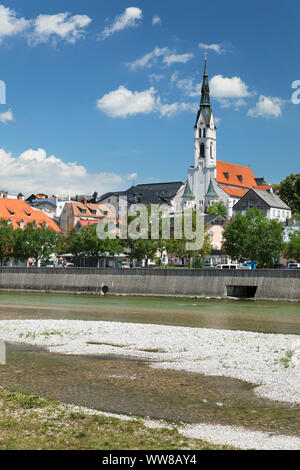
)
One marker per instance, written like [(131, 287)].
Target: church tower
[(205, 129)]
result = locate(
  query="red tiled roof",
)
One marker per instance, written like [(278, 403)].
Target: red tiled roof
[(17, 210), (237, 192), (237, 175), (85, 222)]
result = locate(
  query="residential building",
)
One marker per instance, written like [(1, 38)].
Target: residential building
[(18, 214), (267, 201), (50, 205), (73, 212)]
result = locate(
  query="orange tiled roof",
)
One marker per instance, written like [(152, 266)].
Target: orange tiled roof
[(236, 192), (17, 210), (237, 175), (96, 211)]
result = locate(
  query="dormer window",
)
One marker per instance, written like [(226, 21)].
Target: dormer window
[(10, 211), (240, 178), (27, 213), (21, 223), (226, 174)]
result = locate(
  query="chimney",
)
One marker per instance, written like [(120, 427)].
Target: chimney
[(84, 200), (5, 195), (20, 196)]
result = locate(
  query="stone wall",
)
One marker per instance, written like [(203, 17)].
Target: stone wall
[(261, 284)]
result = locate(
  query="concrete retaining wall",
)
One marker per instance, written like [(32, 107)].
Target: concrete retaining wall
[(270, 284)]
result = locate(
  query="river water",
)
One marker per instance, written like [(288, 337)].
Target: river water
[(260, 316)]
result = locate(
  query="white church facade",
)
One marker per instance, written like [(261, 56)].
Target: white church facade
[(209, 179)]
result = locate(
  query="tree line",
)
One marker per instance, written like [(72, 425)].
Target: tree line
[(246, 237)]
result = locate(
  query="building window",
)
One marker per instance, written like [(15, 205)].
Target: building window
[(202, 150), (200, 134), (204, 133), (211, 150)]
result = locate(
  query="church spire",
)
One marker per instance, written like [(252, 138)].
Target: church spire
[(205, 99)]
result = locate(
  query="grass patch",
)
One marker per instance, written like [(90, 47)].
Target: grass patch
[(285, 361), (30, 423)]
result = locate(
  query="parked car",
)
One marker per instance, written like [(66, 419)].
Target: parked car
[(293, 266), (227, 266)]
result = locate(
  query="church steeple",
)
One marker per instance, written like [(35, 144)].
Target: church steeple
[(205, 129), (205, 99)]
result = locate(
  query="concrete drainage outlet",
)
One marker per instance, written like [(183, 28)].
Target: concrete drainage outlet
[(104, 290), (246, 292)]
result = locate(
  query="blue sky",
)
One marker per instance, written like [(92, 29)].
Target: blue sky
[(98, 91)]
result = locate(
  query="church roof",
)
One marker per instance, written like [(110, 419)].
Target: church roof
[(188, 193), (211, 190), (237, 175), (235, 192)]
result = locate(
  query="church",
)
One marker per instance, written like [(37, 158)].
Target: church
[(209, 179)]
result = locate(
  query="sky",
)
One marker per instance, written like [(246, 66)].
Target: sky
[(97, 95)]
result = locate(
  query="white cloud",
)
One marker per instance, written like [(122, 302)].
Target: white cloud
[(156, 20), (130, 18), (6, 116), (154, 77), (123, 103), (148, 59), (177, 58), (218, 48), (169, 110), (222, 87), (168, 58), (267, 106), (189, 87), (58, 27), (33, 172), (10, 25)]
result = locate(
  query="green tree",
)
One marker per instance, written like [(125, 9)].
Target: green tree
[(35, 242), (289, 191), (217, 208), (254, 237), (292, 248), (6, 241), (88, 244)]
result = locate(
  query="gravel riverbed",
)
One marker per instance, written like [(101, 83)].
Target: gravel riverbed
[(271, 361)]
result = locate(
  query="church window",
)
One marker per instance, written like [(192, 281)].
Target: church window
[(202, 150), (211, 150), (204, 133), (200, 134)]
